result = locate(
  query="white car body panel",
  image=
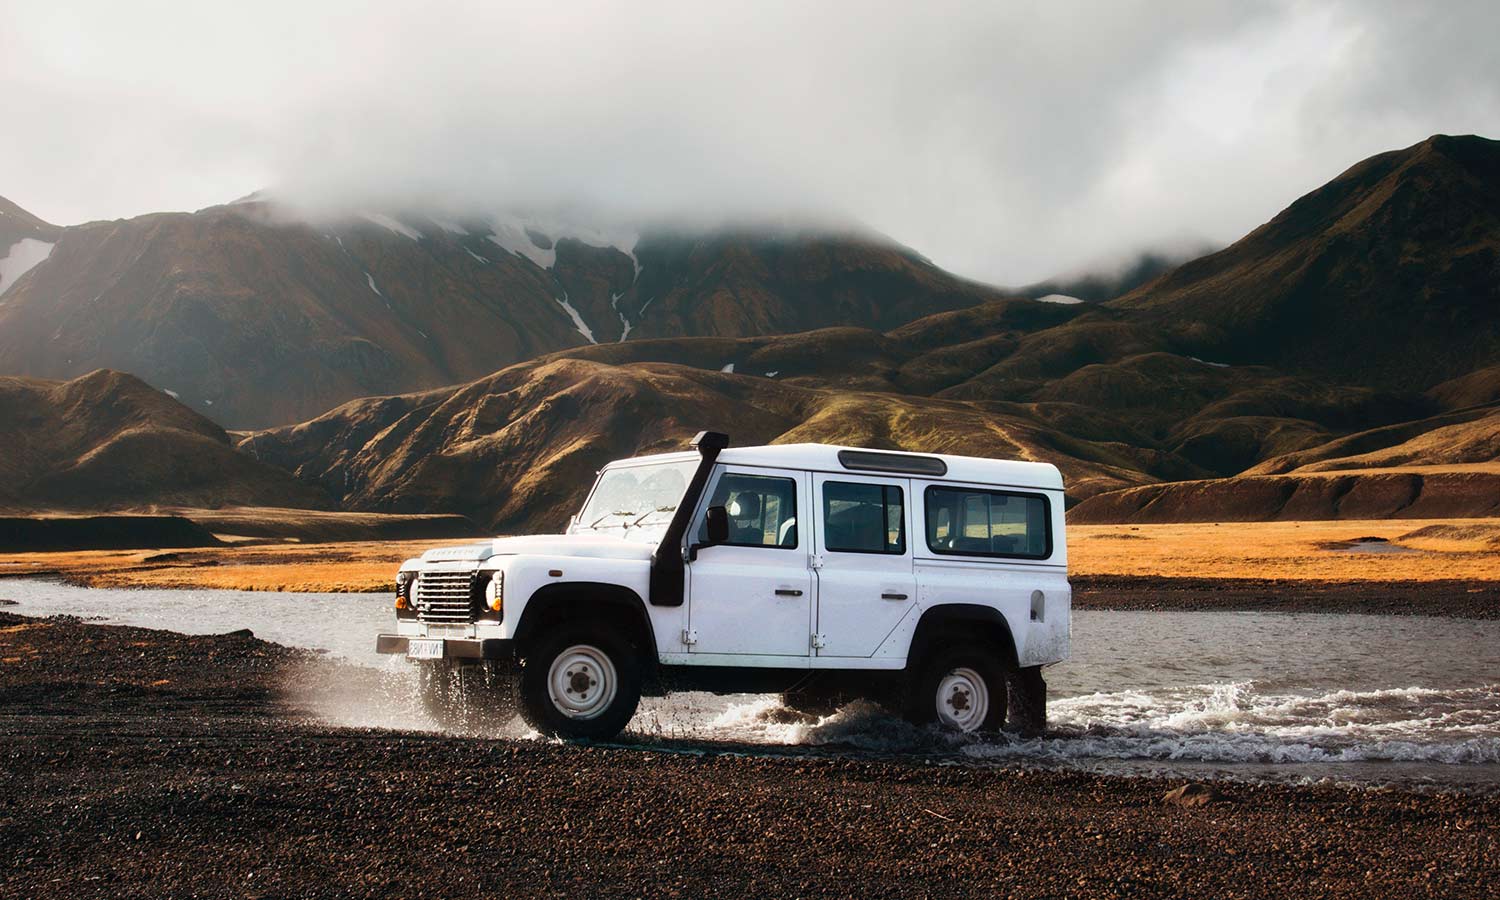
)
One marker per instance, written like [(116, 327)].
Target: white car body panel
[(863, 608)]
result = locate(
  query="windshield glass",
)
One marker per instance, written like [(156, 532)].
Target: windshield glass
[(636, 502)]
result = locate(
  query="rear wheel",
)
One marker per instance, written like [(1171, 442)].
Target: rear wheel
[(477, 696), (960, 687), (580, 683)]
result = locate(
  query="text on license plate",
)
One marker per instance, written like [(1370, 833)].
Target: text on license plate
[(421, 649)]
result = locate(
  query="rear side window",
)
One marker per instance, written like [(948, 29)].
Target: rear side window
[(863, 518), (975, 522)]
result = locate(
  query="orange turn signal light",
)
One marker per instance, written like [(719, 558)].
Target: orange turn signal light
[(400, 602)]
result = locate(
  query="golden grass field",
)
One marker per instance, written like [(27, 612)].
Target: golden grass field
[(1440, 549)]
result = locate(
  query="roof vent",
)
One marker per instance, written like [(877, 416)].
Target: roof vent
[(873, 461)]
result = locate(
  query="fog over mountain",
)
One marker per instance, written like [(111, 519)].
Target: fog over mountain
[(1005, 141)]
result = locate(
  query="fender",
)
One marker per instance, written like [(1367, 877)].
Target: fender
[(570, 599), (982, 621)]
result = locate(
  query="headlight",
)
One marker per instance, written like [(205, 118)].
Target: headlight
[(404, 582), (494, 593), (489, 593)]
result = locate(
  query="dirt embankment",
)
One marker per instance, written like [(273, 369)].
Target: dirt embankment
[(1467, 492), (43, 533), (147, 764), (1456, 598)]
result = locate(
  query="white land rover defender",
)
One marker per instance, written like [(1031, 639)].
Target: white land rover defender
[(933, 585)]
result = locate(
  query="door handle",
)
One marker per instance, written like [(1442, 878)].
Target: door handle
[(788, 592), (893, 596)]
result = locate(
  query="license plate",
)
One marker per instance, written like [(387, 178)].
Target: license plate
[(420, 649)]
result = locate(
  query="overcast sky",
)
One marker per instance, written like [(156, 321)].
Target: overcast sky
[(1006, 141)]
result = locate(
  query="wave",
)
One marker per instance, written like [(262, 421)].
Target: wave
[(1214, 723)]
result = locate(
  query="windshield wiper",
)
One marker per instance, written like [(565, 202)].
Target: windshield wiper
[(651, 512), (628, 512)]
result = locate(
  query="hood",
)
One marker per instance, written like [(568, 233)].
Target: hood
[(592, 545)]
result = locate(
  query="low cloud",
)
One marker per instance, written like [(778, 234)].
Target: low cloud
[(1008, 142)]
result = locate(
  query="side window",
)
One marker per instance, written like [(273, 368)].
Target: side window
[(974, 522), (762, 510), (863, 518)]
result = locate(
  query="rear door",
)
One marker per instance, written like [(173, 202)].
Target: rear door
[(862, 541), (754, 595)]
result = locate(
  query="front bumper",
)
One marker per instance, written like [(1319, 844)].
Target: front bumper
[(453, 648)]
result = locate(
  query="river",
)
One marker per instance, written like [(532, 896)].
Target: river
[(1367, 700)]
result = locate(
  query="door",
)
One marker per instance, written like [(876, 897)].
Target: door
[(753, 596), (866, 584)]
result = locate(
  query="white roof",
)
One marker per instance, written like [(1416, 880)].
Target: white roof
[(825, 458)]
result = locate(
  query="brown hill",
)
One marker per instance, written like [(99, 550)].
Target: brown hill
[(517, 449), (1383, 277), (256, 317), (1418, 492), (110, 441)]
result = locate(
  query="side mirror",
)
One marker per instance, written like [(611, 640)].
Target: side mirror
[(717, 522)]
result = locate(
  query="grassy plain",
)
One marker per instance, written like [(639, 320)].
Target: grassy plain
[(1413, 550)]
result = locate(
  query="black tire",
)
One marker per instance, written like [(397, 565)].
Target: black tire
[(473, 697), (579, 652), (965, 661)]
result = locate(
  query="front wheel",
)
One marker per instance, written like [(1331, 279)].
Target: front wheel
[(580, 684), (961, 687)]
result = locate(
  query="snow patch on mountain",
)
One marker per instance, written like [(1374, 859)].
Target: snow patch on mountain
[(1059, 298), (578, 322), (535, 238), (23, 256), (391, 224), (371, 279), (476, 256), (448, 226), (614, 303)]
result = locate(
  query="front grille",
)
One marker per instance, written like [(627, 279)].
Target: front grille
[(445, 597)]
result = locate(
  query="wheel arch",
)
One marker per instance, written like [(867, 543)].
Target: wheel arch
[(961, 621), (554, 604)]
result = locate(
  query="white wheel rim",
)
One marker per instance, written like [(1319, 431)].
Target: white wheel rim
[(963, 700), (582, 682)]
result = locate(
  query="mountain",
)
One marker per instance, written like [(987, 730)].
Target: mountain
[(1107, 283), (1341, 360), (256, 315), (1387, 276), (110, 441), (25, 242)]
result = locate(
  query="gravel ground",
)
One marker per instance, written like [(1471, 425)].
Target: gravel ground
[(1459, 598), (148, 764)]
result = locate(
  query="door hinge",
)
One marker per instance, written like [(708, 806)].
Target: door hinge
[(689, 636), (819, 642), (815, 561)]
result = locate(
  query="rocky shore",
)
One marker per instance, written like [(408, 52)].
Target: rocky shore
[(148, 764), (1457, 598)]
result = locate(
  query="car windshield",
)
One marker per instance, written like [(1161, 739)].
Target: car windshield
[(636, 502)]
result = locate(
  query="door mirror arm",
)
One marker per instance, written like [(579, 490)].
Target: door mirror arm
[(716, 524)]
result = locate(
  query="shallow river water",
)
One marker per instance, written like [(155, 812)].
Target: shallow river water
[(1276, 696)]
